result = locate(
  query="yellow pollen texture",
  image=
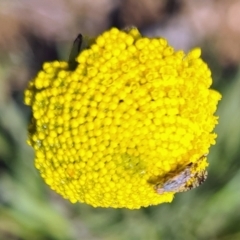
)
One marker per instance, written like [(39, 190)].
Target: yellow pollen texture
[(132, 110)]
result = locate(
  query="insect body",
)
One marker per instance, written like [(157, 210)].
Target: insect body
[(183, 181)]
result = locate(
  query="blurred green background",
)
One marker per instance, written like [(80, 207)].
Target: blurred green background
[(32, 32)]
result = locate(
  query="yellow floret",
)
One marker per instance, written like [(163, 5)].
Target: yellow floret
[(133, 110)]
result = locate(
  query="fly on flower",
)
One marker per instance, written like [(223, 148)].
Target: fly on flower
[(80, 43), (185, 180)]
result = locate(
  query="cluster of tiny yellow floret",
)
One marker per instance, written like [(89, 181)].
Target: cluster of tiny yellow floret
[(130, 112)]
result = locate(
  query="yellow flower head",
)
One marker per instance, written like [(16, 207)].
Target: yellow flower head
[(128, 127)]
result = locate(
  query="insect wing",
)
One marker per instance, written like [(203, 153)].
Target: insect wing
[(176, 183)]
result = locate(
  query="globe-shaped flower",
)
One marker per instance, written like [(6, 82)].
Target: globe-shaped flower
[(128, 127)]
